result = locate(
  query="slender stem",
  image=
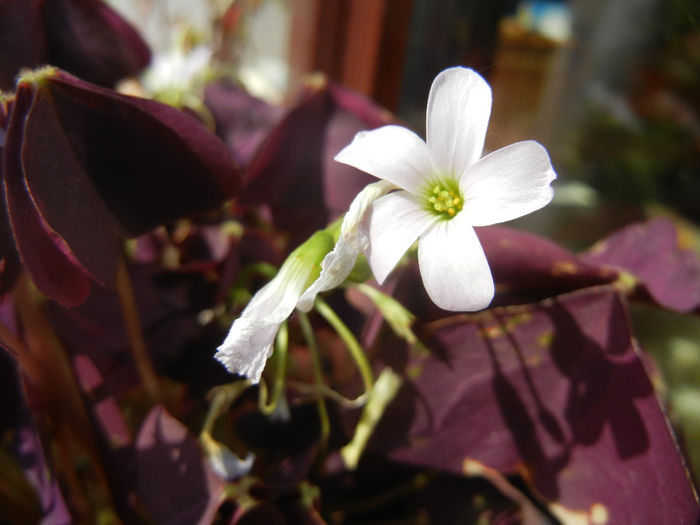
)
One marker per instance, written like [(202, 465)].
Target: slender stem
[(318, 375), (281, 351), (324, 390), (383, 392), (54, 392), (132, 322), (350, 341)]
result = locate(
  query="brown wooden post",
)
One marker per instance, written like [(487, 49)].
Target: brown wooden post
[(359, 43)]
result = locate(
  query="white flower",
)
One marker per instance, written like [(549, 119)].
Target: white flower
[(178, 70), (310, 269), (446, 189)]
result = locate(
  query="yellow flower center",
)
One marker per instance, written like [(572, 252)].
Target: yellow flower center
[(444, 199)]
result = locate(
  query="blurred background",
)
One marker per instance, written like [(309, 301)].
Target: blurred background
[(610, 87)]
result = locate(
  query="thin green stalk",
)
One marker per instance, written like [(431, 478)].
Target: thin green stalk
[(221, 398), (326, 391), (383, 393), (280, 355), (350, 341), (308, 332)]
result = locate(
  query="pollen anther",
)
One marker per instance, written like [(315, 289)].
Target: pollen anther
[(445, 200)]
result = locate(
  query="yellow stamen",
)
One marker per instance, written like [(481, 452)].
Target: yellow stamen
[(444, 200)]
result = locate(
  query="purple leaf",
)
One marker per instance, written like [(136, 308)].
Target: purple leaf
[(169, 304), (84, 166), (57, 181), (242, 120), (9, 258), (149, 162), (54, 271), (114, 436), (294, 172), (105, 410), (554, 391), (175, 483), (27, 450), (89, 39), (527, 267), (22, 39), (652, 253), (85, 37)]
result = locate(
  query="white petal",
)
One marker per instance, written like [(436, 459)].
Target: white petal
[(338, 264), (392, 153), (247, 347), (395, 222), (275, 301), (454, 268), (508, 184), (248, 344), (459, 106)]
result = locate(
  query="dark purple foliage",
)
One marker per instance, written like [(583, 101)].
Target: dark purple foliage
[(85, 37), (294, 172), (85, 166), (169, 303), (38, 495), (554, 391), (536, 410), (22, 39), (653, 254), (242, 120), (527, 267), (9, 258), (166, 451)]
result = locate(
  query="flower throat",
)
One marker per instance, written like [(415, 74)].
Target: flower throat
[(445, 200)]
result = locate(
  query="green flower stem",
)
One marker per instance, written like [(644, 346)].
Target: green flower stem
[(350, 341), (308, 332), (326, 391), (281, 353), (383, 393), (221, 398), (395, 314)]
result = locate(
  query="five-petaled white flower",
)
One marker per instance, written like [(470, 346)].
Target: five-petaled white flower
[(446, 188)]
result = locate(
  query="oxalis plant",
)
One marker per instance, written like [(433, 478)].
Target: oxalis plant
[(262, 316)]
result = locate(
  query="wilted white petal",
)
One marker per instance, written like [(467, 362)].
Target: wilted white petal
[(248, 344), (395, 222), (459, 106), (508, 184), (453, 266), (338, 264), (277, 299), (392, 153), (247, 347)]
